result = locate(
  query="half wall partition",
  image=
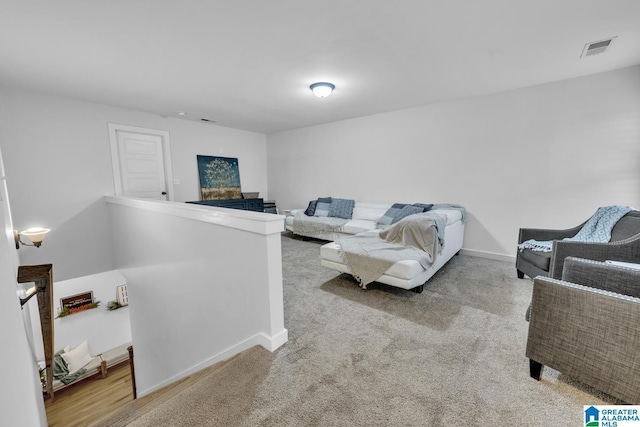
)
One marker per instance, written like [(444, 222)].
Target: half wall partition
[(204, 284)]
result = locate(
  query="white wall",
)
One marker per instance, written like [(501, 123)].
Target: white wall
[(58, 162), (544, 156), (102, 328), (189, 139), (21, 403), (204, 284)]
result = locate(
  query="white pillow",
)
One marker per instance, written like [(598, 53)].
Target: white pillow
[(78, 357)]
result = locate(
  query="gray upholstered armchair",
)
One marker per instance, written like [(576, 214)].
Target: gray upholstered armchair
[(587, 326), (623, 246)]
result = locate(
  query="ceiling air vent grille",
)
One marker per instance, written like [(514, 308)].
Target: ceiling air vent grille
[(595, 48)]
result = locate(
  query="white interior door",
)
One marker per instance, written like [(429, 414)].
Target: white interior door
[(140, 167)]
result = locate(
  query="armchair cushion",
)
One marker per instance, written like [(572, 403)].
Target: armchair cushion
[(538, 258), (626, 227)]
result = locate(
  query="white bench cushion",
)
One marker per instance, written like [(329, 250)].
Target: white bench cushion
[(369, 211), (356, 226)]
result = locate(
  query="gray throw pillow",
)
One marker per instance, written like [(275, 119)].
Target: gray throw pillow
[(341, 208), (425, 207), (322, 209), (390, 214), (406, 211), (311, 209)]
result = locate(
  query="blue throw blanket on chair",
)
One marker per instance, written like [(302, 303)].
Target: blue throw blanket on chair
[(596, 230)]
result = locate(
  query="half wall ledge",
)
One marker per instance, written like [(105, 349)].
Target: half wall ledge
[(255, 222)]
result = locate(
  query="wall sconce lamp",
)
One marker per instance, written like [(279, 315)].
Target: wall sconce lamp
[(35, 235), (322, 89), (33, 291)]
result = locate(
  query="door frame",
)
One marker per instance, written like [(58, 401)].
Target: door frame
[(115, 155)]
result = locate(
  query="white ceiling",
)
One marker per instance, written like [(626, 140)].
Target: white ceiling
[(247, 64)]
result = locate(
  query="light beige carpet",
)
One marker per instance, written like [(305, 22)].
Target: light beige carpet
[(451, 356)]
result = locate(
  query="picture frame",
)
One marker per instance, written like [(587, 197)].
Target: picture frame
[(76, 303), (219, 178)]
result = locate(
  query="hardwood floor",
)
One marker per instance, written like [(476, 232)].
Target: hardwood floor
[(109, 402), (83, 403)]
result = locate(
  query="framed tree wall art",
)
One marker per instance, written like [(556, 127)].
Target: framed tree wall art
[(219, 178)]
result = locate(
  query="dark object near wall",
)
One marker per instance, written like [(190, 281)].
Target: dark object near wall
[(256, 205), (133, 372), (270, 207)]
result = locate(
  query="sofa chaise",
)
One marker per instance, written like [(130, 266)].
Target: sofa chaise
[(372, 218), (408, 274)]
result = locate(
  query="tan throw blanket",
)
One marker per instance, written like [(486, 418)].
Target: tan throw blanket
[(303, 224), (370, 255)]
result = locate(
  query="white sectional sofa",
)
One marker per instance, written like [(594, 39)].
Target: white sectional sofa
[(364, 218), (405, 274)]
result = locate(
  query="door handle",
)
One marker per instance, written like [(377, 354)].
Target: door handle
[(164, 193)]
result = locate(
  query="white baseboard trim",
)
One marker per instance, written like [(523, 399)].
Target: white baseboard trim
[(488, 255), (274, 342), (261, 339)]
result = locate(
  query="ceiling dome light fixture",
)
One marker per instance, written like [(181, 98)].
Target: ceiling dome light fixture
[(322, 89)]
